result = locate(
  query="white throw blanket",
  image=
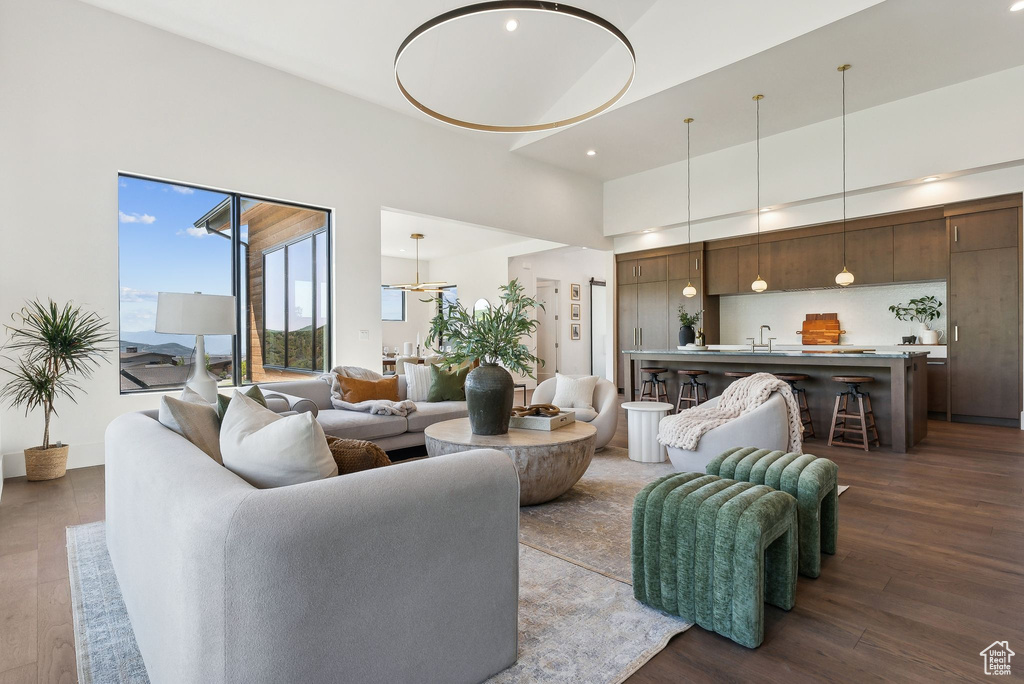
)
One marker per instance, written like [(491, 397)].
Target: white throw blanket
[(684, 430), (377, 407)]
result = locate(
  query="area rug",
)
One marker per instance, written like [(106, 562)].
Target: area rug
[(575, 625), (591, 524)]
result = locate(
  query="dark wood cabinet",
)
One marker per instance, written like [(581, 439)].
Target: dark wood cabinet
[(803, 263), (627, 327), (747, 270), (721, 267), (984, 329), (652, 314), (625, 273), (984, 230), (685, 266), (938, 386), (651, 270), (869, 255), (920, 251)]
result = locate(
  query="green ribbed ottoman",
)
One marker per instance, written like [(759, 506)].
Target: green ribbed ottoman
[(713, 551), (812, 480)]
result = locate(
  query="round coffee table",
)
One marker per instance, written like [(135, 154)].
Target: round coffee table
[(549, 463)]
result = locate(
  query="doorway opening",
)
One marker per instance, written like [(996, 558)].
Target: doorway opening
[(548, 338)]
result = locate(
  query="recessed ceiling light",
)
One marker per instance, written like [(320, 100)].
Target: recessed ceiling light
[(1017, 6), (401, 250), (929, 179), (765, 209), (511, 25), (591, 153), (584, 248), (649, 230)]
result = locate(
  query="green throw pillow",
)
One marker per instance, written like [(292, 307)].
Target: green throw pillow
[(253, 393), (447, 385)]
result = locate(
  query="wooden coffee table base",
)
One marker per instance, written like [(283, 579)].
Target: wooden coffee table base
[(548, 463)]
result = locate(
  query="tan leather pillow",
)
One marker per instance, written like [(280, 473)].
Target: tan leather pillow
[(354, 390)]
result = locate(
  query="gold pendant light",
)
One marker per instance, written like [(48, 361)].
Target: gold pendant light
[(759, 285), (844, 278), (418, 286), (689, 290)]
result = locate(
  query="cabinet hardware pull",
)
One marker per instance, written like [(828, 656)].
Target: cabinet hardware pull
[(696, 264), (936, 363), (641, 337), (640, 268), (956, 333), (956, 234), (634, 271)]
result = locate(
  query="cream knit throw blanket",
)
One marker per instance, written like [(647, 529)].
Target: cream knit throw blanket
[(683, 430), (377, 407)]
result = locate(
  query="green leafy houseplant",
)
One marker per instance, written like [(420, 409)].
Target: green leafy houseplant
[(492, 336), (923, 310), (689, 319), (56, 346)]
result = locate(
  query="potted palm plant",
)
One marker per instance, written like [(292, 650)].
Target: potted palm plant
[(57, 345), (492, 336)]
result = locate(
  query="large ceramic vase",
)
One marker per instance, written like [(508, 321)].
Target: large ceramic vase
[(489, 392), (686, 335)]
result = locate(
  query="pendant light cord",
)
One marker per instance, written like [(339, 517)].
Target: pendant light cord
[(688, 234), (757, 144), (844, 168)]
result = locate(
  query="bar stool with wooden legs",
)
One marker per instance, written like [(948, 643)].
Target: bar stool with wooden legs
[(654, 387), (864, 418), (690, 388), (800, 394), (737, 374)]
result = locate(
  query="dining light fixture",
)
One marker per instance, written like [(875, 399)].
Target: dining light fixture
[(435, 286), (540, 6), (689, 290), (759, 285), (591, 153), (844, 278)]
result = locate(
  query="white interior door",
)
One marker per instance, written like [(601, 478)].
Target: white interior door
[(547, 333)]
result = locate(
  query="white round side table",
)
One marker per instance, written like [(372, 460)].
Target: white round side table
[(642, 428)]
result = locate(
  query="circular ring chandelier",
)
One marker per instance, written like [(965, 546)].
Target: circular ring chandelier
[(521, 6)]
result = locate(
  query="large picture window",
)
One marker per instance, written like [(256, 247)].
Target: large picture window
[(274, 257), (392, 304)]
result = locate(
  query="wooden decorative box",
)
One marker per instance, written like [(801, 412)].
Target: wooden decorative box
[(548, 423)]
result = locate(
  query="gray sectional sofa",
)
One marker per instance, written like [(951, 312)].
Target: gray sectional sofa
[(401, 574), (387, 432)]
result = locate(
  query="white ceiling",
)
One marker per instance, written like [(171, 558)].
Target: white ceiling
[(898, 49), (443, 237), (694, 58)]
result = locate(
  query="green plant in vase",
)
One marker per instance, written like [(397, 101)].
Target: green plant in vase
[(923, 310), (491, 336), (57, 346), (687, 321)]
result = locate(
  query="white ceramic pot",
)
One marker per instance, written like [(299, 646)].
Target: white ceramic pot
[(927, 336)]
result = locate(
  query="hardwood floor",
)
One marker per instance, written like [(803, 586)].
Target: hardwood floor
[(930, 570)]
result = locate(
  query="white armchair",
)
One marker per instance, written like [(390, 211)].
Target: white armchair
[(766, 427), (604, 417)]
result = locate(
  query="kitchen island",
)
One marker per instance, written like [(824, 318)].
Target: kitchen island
[(899, 393)]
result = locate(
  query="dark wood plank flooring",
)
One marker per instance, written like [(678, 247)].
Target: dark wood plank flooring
[(930, 570)]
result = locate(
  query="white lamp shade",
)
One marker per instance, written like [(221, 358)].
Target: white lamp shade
[(195, 314), (759, 285), (689, 290), (844, 278)]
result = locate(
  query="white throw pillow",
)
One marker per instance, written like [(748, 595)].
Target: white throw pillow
[(574, 392), (417, 378), (193, 418), (268, 450)]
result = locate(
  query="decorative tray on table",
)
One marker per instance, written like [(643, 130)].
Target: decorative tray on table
[(540, 417)]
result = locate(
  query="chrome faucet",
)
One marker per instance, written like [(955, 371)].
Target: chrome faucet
[(754, 346)]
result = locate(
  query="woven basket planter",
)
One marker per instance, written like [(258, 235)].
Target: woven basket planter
[(46, 464)]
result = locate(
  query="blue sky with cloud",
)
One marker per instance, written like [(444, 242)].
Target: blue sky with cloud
[(160, 250)]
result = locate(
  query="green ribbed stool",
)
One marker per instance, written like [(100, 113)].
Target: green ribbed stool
[(812, 480), (713, 551)]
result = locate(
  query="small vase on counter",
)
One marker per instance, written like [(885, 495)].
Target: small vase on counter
[(927, 336), (686, 335)]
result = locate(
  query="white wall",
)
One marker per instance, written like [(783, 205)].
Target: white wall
[(87, 93), (418, 313), (863, 313), (568, 265)]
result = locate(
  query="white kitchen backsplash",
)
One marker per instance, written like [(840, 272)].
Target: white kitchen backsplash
[(863, 313)]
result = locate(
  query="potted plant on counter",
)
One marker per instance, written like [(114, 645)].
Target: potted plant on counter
[(491, 335), (687, 335), (58, 345), (924, 310)]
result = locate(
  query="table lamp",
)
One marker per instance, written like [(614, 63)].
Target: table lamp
[(196, 314)]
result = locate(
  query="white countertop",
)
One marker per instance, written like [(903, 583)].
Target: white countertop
[(937, 351)]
